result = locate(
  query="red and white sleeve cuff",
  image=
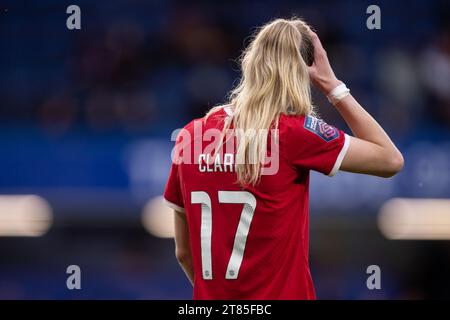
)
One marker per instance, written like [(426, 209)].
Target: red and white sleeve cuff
[(173, 205), (341, 156)]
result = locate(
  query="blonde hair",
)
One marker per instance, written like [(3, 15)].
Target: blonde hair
[(274, 81)]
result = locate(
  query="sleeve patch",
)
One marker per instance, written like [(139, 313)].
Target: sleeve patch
[(321, 128)]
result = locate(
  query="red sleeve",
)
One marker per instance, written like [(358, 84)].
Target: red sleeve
[(172, 194), (312, 144)]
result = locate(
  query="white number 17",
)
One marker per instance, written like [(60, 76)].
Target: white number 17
[(240, 239)]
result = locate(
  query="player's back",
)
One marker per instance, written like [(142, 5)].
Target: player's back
[(249, 242)]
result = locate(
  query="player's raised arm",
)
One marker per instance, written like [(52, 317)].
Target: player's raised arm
[(371, 151)]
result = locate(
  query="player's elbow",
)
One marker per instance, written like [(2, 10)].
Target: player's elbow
[(393, 165), (182, 255)]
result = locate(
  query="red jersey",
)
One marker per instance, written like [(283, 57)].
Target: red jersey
[(251, 242)]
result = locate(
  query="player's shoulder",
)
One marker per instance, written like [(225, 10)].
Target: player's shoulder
[(189, 128), (196, 127), (191, 124), (211, 119)]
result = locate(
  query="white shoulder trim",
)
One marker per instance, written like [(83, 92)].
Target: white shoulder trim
[(341, 156), (173, 206), (228, 110)]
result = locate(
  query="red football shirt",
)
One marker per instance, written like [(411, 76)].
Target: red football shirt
[(252, 242)]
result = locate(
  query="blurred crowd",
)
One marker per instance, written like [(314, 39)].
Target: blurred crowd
[(136, 65)]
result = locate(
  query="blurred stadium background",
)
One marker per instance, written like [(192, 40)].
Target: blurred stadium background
[(86, 118)]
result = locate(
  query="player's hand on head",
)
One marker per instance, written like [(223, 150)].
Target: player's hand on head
[(320, 72)]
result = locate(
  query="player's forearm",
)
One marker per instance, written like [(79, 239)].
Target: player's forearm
[(378, 154), (363, 125)]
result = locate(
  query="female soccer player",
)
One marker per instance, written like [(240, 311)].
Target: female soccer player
[(240, 176)]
